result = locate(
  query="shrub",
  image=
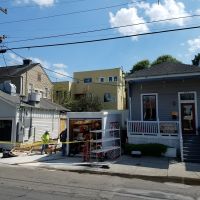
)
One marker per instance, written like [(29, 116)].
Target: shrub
[(151, 149)]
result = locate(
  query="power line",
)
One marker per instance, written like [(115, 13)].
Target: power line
[(103, 29), (103, 39), (56, 3), (120, 85), (70, 13)]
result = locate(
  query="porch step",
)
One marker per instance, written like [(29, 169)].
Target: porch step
[(191, 148), (191, 160)]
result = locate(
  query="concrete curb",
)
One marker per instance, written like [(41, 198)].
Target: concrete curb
[(100, 171)]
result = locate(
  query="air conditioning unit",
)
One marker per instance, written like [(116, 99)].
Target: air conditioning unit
[(34, 96)]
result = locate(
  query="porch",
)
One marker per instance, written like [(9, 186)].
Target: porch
[(163, 132)]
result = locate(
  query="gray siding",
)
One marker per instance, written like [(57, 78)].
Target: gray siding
[(167, 91)]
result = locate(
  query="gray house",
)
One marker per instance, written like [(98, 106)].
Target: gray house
[(164, 107)]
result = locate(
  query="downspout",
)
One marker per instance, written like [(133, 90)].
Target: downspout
[(31, 121), (26, 89), (21, 85), (129, 102)]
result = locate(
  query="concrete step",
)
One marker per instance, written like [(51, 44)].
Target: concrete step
[(191, 160)]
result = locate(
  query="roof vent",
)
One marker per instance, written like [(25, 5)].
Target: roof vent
[(27, 62)]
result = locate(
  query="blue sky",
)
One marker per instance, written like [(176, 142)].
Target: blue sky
[(100, 55)]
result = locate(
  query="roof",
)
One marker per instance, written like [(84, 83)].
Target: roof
[(48, 104), (44, 103), (16, 70), (166, 69), (10, 98), (98, 70)]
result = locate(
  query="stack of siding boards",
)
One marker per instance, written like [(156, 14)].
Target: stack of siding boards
[(35, 148), (26, 148)]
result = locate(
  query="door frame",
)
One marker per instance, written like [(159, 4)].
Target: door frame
[(188, 101)]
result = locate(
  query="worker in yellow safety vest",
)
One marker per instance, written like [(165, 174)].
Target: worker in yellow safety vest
[(45, 140)]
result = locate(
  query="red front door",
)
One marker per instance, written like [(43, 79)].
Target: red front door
[(188, 118)]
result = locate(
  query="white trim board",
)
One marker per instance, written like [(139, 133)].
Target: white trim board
[(163, 76), (188, 101), (141, 103)]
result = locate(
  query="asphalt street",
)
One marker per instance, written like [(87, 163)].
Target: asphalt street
[(18, 183)]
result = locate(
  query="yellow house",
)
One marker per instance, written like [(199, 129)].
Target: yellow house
[(107, 84), (61, 91)]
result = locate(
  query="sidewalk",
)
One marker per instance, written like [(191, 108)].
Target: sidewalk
[(150, 168)]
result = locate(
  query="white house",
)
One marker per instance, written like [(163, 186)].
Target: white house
[(26, 121)]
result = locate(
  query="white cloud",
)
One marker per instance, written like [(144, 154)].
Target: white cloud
[(60, 65), (194, 44), (165, 10), (41, 3), (197, 11), (61, 73), (128, 16), (14, 58), (44, 63), (59, 68)]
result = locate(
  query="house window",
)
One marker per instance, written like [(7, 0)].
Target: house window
[(41, 94), (101, 79), (30, 89), (115, 78), (107, 97), (110, 79), (149, 107), (39, 77), (87, 80)]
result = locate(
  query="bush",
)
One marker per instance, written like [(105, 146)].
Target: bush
[(151, 149)]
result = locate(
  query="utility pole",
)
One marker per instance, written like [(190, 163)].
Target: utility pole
[(2, 37)]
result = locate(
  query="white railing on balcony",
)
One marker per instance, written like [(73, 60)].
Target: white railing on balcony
[(157, 128)]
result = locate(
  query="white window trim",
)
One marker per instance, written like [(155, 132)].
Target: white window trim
[(100, 79), (141, 102), (188, 101), (112, 78)]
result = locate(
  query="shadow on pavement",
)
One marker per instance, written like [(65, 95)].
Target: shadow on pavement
[(145, 161)]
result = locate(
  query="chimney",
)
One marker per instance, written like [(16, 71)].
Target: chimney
[(27, 62)]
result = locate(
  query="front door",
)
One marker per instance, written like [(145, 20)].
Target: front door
[(188, 118)]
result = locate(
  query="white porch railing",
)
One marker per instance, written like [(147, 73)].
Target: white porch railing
[(157, 128)]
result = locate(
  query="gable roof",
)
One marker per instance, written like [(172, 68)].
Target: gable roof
[(48, 104), (44, 103), (166, 69), (16, 70), (14, 100)]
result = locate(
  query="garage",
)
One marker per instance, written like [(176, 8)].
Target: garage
[(5, 130)]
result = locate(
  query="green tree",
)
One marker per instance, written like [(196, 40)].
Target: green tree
[(86, 103), (143, 64), (165, 58), (196, 60)]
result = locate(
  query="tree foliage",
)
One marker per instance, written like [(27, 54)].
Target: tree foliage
[(165, 58), (143, 64), (196, 60), (85, 104)]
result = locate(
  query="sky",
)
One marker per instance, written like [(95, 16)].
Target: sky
[(30, 19)]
